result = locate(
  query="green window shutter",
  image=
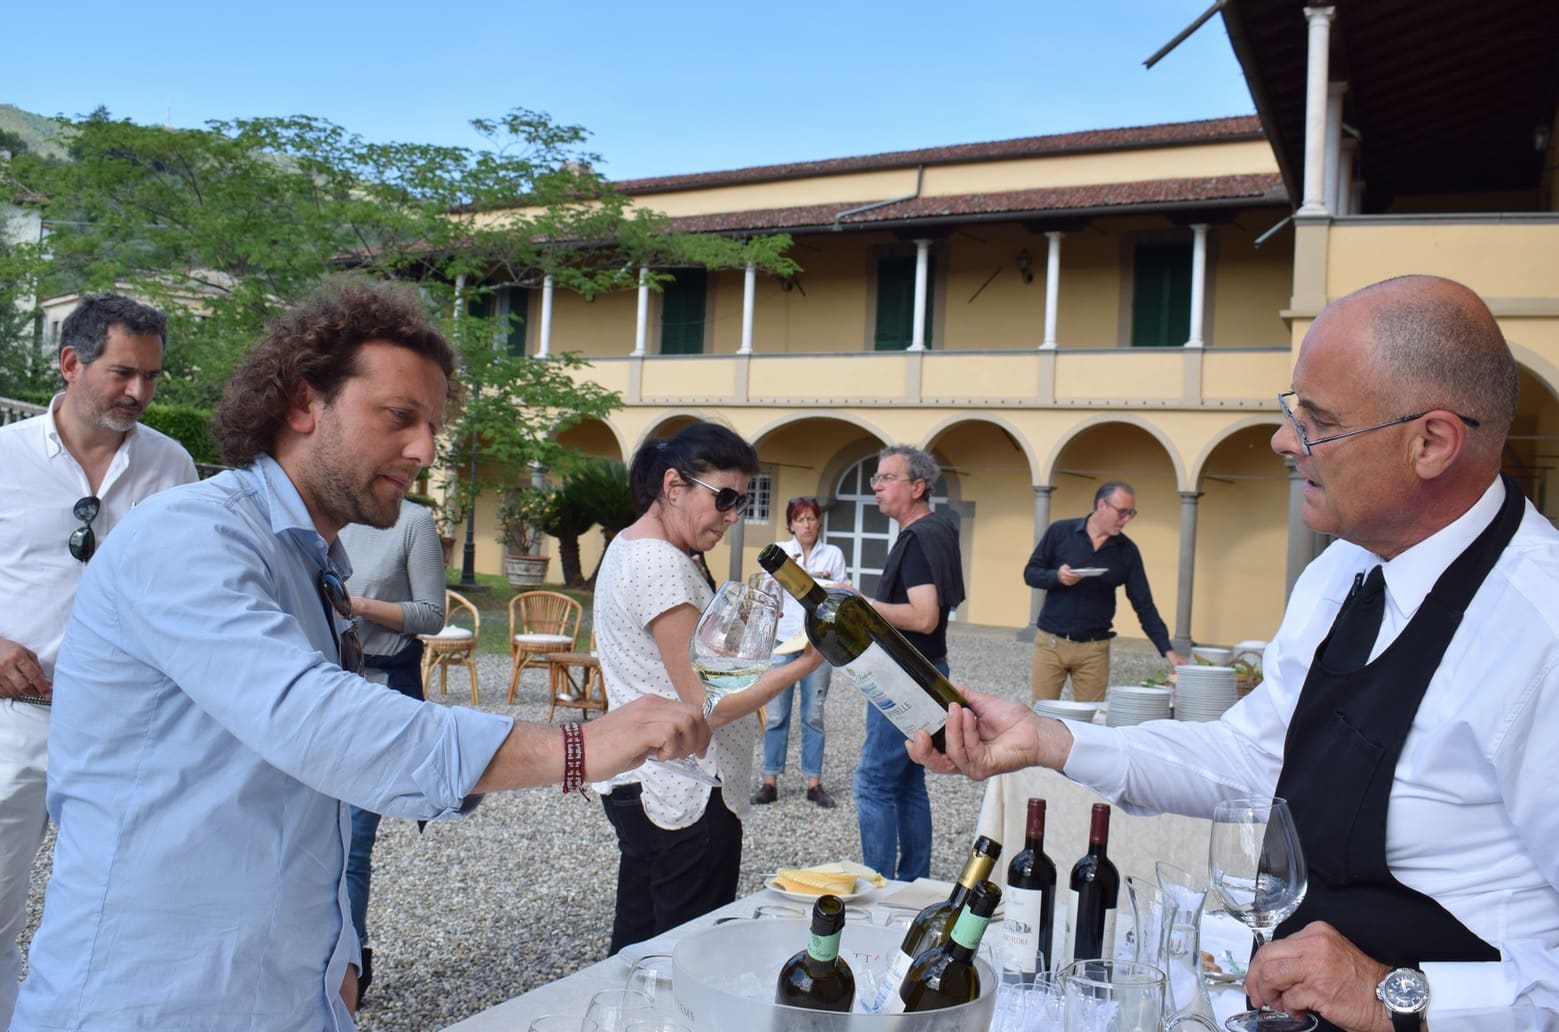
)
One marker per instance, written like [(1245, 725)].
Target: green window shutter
[(1161, 295), (682, 313), (896, 301), (519, 311)]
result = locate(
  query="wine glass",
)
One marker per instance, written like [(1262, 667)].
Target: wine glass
[(731, 648), (612, 1010), (1258, 871), (651, 975)]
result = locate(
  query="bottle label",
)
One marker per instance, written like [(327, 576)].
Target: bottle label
[(885, 684), (970, 929), (1020, 930), (823, 947), (888, 999)]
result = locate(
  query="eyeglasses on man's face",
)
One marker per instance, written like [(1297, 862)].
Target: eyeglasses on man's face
[(726, 498), (890, 478), (83, 541), (1123, 513), (1307, 443), (333, 593)]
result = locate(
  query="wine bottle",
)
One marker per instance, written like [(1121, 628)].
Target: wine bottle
[(934, 923), (868, 652), (1095, 887), (1028, 929), (945, 976), (818, 978)]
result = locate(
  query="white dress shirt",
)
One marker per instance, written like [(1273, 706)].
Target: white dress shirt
[(1473, 819)]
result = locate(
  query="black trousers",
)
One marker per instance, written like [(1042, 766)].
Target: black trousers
[(667, 877)]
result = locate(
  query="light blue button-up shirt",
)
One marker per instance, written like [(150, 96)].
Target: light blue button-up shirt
[(203, 738)]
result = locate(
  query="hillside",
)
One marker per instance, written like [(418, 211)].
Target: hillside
[(40, 131)]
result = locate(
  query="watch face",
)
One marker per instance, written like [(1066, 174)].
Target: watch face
[(1405, 991)]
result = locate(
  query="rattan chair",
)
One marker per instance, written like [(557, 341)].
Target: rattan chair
[(574, 682), (455, 645), (540, 622)]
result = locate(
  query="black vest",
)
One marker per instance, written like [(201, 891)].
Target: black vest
[(1339, 762)]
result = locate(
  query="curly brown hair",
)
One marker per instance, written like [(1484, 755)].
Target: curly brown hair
[(317, 343)]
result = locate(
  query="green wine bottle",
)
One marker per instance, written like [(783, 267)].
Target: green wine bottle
[(946, 976), (817, 978), (934, 924), (868, 652)]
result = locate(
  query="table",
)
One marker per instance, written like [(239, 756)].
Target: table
[(570, 994)]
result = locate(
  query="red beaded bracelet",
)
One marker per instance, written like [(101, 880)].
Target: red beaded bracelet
[(573, 757)]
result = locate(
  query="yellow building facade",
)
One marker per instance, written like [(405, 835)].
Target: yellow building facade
[(1043, 315)]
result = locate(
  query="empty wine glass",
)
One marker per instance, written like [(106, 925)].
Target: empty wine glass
[(651, 975), (1258, 871), (611, 1010), (731, 648)]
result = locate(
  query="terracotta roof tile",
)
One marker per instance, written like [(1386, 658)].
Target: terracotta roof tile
[(1243, 127), (1150, 194)]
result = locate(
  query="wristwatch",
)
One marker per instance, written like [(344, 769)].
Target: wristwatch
[(1405, 992)]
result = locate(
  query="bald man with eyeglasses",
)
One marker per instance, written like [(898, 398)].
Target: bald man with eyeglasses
[(71, 474)]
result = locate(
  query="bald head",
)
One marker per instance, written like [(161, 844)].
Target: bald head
[(1437, 345)]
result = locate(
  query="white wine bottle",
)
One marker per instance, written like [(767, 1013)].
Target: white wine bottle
[(818, 978), (946, 976), (934, 924), (1028, 929), (1096, 887), (868, 652)]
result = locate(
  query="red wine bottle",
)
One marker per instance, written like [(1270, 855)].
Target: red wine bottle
[(1095, 890), (1028, 929)]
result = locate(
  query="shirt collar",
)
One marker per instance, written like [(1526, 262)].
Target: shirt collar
[(290, 518), (53, 444), (1411, 575)]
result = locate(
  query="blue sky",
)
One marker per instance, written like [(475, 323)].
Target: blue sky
[(664, 89)]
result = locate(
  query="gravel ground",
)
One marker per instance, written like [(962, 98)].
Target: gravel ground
[(470, 913)]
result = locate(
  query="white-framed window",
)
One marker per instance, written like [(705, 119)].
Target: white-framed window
[(760, 497)]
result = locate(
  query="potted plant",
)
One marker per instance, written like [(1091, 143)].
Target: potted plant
[(523, 513)]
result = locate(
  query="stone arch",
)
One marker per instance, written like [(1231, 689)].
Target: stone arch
[(1047, 469)]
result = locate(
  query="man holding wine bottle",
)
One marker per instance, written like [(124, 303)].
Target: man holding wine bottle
[(922, 583), (205, 738), (1411, 698)]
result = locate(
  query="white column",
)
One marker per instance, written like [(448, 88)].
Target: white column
[(1333, 176), (1320, 19), (544, 338), (642, 331), (749, 294), (1052, 286), (1198, 282), (917, 338)]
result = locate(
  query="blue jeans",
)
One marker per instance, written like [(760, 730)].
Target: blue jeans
[(776, 734), (891, 804), (405, 676)]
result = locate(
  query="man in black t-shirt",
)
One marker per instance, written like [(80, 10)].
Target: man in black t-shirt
[(922, 583)]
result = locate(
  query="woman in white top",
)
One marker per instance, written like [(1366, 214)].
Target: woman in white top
[(804, 520), (680, 840)]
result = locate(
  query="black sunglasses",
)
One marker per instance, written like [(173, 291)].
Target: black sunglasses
[(83, 542), (334, 596), (726, 498)]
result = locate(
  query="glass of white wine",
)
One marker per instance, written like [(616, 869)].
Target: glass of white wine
[(1258, 871), (731, 648)]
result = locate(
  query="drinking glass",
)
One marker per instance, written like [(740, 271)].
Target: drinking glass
[(1258, 871), (731, 648), (553, 1023), (1180, 949), (662, 1023), (1118, 996), (1147, 919), (651, 975), (611, 1010)]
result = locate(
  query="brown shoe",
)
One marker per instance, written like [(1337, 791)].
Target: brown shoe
[(819, 795), (766, 793)]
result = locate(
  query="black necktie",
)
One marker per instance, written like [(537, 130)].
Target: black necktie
[(1358, 623)]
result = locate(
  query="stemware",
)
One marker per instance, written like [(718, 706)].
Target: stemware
[(731, 648), (1258, 871), (651, 975), (611, 1010)]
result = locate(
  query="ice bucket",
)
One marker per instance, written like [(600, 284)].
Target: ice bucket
[(724, 977)]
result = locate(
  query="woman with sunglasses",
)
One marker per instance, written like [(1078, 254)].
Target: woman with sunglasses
[(680, 840), (804, 520)]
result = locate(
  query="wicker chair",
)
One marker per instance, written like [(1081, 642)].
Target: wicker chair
[(455, 645), (540, 622), (574, 682)]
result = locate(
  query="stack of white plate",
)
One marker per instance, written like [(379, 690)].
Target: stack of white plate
[(1067, 709), (1203, 692), (1136, 703)]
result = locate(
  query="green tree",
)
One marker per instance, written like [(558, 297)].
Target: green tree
[(596, 493)]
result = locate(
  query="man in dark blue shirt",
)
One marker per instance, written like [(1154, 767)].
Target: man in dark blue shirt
[(1080, 563)]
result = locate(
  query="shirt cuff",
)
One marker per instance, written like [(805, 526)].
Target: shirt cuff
[(459, 759), (1466, 995), (1097, 759)]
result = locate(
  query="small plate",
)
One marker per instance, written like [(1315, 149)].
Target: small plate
[(1091, 571), (862, 887)]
